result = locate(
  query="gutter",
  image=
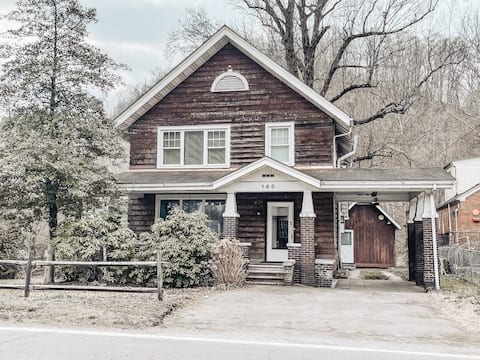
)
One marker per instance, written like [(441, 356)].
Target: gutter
[(335, 143), (351, 153)]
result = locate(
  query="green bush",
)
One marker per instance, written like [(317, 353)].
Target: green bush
[(12, 244), (185, 241), (95, 238)]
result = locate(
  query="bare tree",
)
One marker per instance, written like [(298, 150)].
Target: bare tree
[(192, 30)]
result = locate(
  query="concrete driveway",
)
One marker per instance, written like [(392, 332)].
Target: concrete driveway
[(382, 314)]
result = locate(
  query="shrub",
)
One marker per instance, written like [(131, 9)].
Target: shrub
[(11, 247), (95, 238), (227, 263), (185, 241)]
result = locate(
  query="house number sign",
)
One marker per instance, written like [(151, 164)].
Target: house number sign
[(268, 186)]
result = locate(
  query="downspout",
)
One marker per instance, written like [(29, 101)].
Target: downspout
[(456, 224), (351, 153), (449, 225), (335, 143), (434, 240)]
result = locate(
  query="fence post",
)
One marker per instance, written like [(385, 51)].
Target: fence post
[(28, 273), (159, 275)]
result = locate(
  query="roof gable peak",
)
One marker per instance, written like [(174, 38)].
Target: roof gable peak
[(200, 56)]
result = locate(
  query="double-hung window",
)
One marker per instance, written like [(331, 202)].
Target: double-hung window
[(194, 146), (279, 142)]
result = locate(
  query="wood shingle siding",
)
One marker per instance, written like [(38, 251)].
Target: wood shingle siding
[(141, 212), (268, 100), (324, 224)]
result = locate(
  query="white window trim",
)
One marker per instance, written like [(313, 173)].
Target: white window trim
[(182, 129), (291, 139), (181, 197), (230, 72)]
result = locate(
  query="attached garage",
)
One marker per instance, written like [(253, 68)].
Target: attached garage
[(373, 235)]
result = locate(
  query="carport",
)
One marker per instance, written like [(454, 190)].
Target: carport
[(417, 187)]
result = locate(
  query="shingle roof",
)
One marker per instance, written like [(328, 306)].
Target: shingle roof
[(172, 177), (366, 174)]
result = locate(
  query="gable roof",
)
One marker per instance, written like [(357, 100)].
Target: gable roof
[(382, 210), (462, 196), (266, 162), (202, 55)]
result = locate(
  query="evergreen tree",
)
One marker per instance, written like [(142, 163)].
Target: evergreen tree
[(57, 144)]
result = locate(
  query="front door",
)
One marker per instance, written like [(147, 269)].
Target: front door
[(279, 230), (346, 247)]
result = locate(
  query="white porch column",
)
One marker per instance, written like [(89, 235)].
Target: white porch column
[(230, 217), (231, 206), (307, 205)]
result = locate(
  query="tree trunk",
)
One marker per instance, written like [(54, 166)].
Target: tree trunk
[(49, 276)]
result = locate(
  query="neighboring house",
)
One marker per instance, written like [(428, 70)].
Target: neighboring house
[(459, 213), (369, 237), (230, 133)]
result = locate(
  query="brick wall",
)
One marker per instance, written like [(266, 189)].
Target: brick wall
[(230, 227), (428, 262), (468, 223), (324, 272), (294, 254), (307, 251)]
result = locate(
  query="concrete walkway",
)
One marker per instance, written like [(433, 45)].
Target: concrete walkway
[(377, 313)]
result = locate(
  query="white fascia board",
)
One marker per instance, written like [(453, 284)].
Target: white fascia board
[(124, 119), (471, 191), (266, 162), (151, 188), (290, 80), (222, 37), (388, 217), (389, 186)]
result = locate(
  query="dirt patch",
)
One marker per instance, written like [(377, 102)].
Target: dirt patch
[(95, 309), (459, 301), (373, 275)]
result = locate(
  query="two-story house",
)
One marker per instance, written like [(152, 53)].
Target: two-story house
[(230, 133)]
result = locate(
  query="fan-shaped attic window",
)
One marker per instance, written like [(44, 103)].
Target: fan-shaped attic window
[(229, 81)]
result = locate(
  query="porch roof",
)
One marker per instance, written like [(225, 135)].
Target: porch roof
[(354, 184)]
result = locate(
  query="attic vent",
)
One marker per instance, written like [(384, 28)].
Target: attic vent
[(229, 81)]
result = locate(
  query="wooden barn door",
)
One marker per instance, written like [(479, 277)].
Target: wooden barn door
[(374, 244)]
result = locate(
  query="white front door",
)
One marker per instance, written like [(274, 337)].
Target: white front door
[(279, 230), (346, 247)]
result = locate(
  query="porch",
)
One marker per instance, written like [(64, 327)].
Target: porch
[(289, 214)]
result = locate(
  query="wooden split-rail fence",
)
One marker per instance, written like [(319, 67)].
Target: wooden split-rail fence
[(30, 264)]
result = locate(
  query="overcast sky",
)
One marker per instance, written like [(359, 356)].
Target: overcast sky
[(134, 32)]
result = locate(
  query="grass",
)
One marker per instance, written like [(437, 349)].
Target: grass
[(460, 288), (373, 275)]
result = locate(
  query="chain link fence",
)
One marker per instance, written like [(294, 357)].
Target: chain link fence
[(461, 261)]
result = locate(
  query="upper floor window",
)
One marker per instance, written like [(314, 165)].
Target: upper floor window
[(194, 146), (229, 81), (280, 142)]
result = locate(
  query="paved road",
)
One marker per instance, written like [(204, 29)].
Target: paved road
[(18, 343)]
